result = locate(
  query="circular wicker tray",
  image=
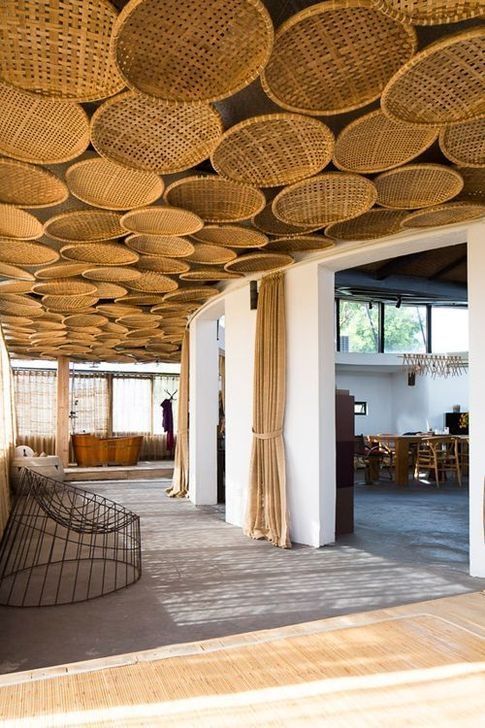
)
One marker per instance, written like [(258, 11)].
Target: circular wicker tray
[(374, 143), (114, 254), (85, 226), (377, 223), (231, 236), (215, 199), (150, 299), (269, 224), (59, 49), (15, 223), (189, 295), (49, 326), (107, 185), (162, 348), (25, 253), (175, 309), (68, 303), (169, 266), (140, 321), (66, 287), (453, 212), (110, 290), (16, 321), (146, 134), (335, 56), (443, 84), (15, 287), (417, 185), (209, 275), (259, 262), (300, 244), (115, 310), (112, 274), (324, 199), (273, 150), (430, 12), (140, 334), (228, 42), (464, 143), (24, 185), (13, 271), (474, 187), (211, 254), (60, 270), (152, 282), (160, 245), (170, 221), (21, 300)]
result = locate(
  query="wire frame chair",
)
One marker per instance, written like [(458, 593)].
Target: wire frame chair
[(64, 545)]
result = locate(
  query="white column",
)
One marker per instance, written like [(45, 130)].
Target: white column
[(203, 411), (476, 304)]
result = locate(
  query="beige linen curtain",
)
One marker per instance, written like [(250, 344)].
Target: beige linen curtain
[(7, 431), (90, 403), (180, 482), (35, 404), (267, 509)]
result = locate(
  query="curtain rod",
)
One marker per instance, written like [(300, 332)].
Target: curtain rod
[(100, 374)]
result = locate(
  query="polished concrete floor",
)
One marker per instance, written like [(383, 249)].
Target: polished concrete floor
[(202, 578)]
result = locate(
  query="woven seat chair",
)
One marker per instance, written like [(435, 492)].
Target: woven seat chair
[(438, 456)]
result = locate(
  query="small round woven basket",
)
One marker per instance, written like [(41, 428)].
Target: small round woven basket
[(116, 310), (189, 295), (16, 321), (259, 263), (211, 254), (169, 266), (176, 309), (227, 42), (274, 150), (110, 290), (443, 84), (25, 253), (452, 213), (430, 12), (215, 199), (114, 254), (105, 184), (59, 49), (140, 321), (15, 223), (464, 143), (68, 303), (21, 299), (42, 325), (335, 56), (111, 274), (269, 224), (326, 198), (169, 246), (377, 223), (374, 143), (152, 282), (24, 185), (209, 275), (474, 187), (149, 299), (143, 334), (10, 286), (84, 226), (43, 131), (157, 136), (162, 348), (417, 185), (170, 221), (60, 270), (65, 287), (301, 244), (13, 271), (231, 236), (113, 328)]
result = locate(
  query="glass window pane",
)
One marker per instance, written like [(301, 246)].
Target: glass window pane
[(359, 327), (132, 405), (163, 388), (449, 327), (405, 329), (89, 404)]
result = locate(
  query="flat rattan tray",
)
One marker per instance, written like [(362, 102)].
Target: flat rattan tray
[(211, 254), (84, 225), (159, 245), (66, 287), (452, 213), (209, 275), (231, 236), (167, 220), (68, 303), (114, 254), (417, 185), (215, 199), (60, 270), (189, 295), (474, 187), (269, 224), (15, 223), (464, 144), (300, 244), (152, 282), (24, 185), (168, 266), (110, 274), (377, 223), (259, 262), (24, 252), (430, 12)]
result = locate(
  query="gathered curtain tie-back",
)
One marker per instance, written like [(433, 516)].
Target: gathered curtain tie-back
[(267, 435)]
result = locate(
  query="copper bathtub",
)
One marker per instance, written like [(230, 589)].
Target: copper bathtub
[(90, 451)]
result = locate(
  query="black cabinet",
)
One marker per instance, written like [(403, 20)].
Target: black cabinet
[(344, 421)]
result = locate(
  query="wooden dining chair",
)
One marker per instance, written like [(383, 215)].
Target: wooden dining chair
[(439, 456)]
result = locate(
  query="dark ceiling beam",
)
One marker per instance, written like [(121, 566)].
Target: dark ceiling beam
[(449, 267), (394, 266), (403, 285)]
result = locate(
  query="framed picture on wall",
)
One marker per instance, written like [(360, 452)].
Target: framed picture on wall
[(360, 408)]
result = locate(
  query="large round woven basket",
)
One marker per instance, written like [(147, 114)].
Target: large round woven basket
[(269, 224), (190, 295), (66, 287), (16, 321), (107, 185), (449, 214), (139, 322), (152, 282), (146, 134), (13, 271), (84, 225), (474, 187), (60, 270), (377, 223), (324, 199), (162, 348), (335, 56), (300, 244), (169, 266), (443, 84), (417, 185), (40, 130), (231, 236), (26, 253), (430, 12), (274, 150), (59, 49), (85, 321), (216, 199), (110, 290), (159, 245), (116, 310), (209, 275), (374, 143), (68, 303), (259, 262), (15, 223), (24, 185), (148, 299), (111, 274), (172, 221), (102, 253), (228, 42), (12, 286), (464, 143), (22, 300), (211, 254)]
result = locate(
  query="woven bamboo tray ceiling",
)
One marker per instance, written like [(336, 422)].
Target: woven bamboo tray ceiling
[(163, 149)]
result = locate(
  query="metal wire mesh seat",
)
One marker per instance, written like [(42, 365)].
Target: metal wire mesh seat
[(63, 544)]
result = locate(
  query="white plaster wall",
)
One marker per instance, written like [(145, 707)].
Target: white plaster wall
[(375, 388)]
